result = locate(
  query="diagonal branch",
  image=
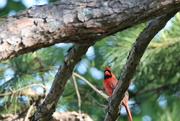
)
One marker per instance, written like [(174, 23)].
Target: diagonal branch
[(29, 112), (87, 82), (21, 89), (133, 60), (92, 86), (78, 94), (44, 111)]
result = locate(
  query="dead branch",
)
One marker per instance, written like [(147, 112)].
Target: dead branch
[(78, 94), (87, 82), (57, 116), (92, 86), (21, 89), (29, 111)]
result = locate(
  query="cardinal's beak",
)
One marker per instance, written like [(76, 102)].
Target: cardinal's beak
[(107, 73)]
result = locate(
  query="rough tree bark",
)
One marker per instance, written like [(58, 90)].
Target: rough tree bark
[(79, 22), (133, 60), (76, 21), (45, 110)]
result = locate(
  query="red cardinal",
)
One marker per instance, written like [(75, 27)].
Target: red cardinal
[(110, 82)]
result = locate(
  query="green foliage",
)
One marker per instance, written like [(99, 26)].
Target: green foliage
[(170, 112), (12, 6), (27, 69), (119, 46), (157, 74)]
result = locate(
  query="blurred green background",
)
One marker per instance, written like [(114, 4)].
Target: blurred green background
[(155, 89)]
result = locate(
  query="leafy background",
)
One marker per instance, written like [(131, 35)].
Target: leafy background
[(154, 92)]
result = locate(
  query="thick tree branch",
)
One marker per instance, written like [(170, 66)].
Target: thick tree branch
[(44, 111), (75, 21), (133, 60)]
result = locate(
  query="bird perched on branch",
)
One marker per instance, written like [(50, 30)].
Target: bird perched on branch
[(109, 83)]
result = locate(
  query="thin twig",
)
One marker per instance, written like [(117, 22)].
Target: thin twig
[(104, 106), (93, 87), (165, 86), (147, 97), (87, 82), (77, 92), (23, 88), (141, 88), (29, 111), (10, 89)]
